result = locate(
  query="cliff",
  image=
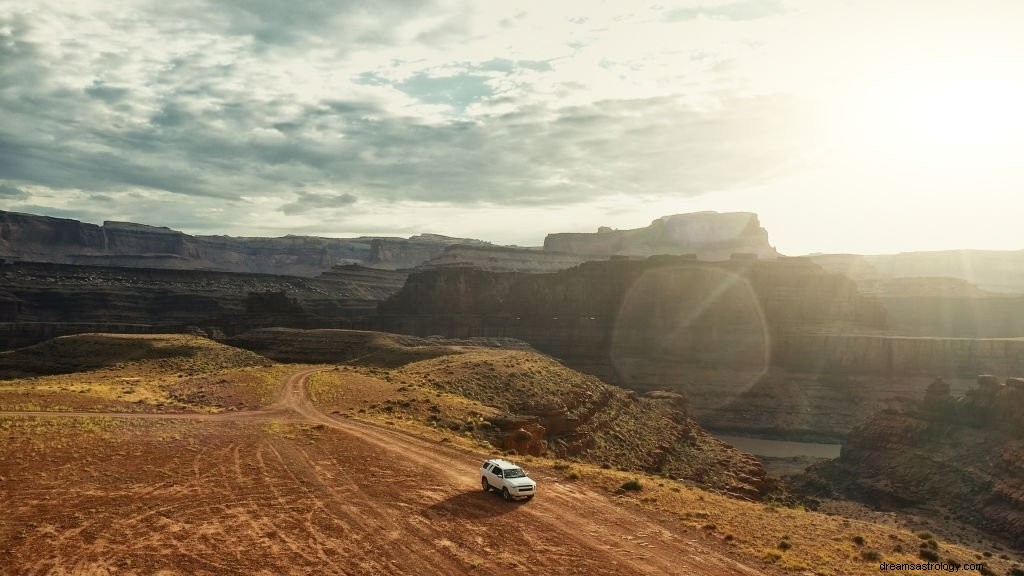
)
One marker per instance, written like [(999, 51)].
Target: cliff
[(709, 235), (709, 330), (962, 456), (503, 259), (25, 237), (779, 348), (1000, 271), (40, 301)]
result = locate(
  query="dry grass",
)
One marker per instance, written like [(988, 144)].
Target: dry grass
[(133, 373), (145, 353), (449, 399), (791, 538)]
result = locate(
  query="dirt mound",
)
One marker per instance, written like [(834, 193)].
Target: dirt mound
[(340, 346), (158, 352)]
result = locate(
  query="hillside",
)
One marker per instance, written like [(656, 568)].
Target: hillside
[(153, 353), (529, 404), (135, 373)]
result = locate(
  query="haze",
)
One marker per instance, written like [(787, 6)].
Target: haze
[(849, 127)]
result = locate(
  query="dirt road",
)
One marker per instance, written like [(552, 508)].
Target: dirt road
[(290, 490)]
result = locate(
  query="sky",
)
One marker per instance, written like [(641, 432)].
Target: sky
[(848, 126)]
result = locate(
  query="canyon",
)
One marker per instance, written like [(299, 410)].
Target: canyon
[(957, 455), (762, 344)]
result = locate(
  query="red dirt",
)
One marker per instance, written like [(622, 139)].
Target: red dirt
[(290, 490)]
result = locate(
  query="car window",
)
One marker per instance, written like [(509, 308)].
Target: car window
[(514, 473), (497, 472)]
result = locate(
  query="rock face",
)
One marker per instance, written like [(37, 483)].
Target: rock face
[(503, 259), (1000, 271), (972, 300), (777, 348), (40, 301), (956, 455), (26, 237), (709, 330), (709, 235)]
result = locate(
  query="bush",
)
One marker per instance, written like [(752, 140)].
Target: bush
[(858, 540), (928, 554), (632, 486), (573, 475), (871, 555), (925, 535), (784, 545)]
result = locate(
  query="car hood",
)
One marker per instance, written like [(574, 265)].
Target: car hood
[(525, 481)]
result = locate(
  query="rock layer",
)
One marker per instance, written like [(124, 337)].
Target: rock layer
[(709, 235), (40, 301), (26, 237), (956, 455)]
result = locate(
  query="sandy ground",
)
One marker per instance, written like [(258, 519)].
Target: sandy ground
[(290, 490)]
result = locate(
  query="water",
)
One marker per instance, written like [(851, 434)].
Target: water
[(783, 448), (782, 457)]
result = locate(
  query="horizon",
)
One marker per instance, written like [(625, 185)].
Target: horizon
[(505, 123), (540, 245)]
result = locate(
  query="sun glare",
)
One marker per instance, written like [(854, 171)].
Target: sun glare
[(943, 112)]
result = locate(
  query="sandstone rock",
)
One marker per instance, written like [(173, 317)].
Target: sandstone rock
[(33, 238), (710, 235), (970, 463), (988, 382)]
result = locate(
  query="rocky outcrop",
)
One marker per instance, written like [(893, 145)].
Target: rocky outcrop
[(503, 259), (962, 456), (709, 235), (365, 283), (31, 238)]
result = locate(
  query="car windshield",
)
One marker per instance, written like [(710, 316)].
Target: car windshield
[(513, 473)]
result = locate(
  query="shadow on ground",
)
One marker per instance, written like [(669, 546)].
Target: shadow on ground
[(472, 505)]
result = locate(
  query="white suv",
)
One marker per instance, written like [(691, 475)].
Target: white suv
[(511, 480)]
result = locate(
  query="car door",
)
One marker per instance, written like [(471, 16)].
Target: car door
[(494, 476)]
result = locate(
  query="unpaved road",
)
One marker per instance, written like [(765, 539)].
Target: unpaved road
[(290, 490)]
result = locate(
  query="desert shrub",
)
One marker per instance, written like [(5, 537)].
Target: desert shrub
[(573, 475), (928, 554), (858, 540), (1016, 571), (924, 535), (632, 486), (871, 555), (784, 544)]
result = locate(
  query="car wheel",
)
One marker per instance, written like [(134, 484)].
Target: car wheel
[(528, 498), (505, 494), (485, 485)]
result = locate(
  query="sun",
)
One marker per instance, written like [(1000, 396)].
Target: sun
[(943, 112)]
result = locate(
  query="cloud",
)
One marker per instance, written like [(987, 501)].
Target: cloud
[(10, 193), (234, 116), (312, 201)]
